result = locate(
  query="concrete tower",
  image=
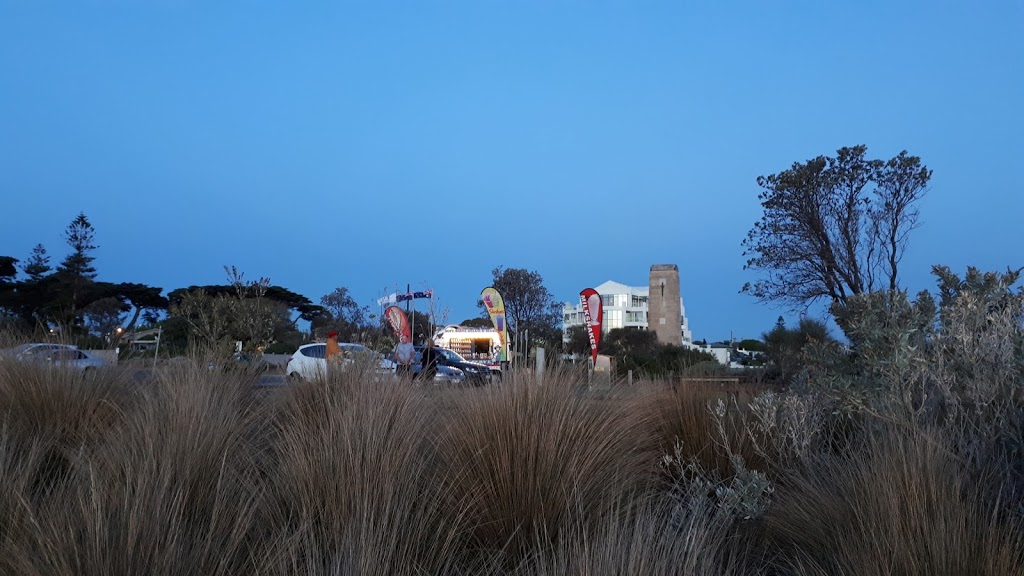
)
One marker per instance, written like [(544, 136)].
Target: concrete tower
[(664, 310)]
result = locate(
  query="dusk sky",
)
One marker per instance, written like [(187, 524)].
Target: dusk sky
[(375, 144)]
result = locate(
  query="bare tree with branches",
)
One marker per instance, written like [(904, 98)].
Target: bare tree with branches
[(834, 227)]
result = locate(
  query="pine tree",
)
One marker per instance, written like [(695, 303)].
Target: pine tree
[(80, 237), (38, 264), (76, 271)]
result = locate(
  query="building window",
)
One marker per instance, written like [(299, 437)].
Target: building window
[(614, 300), (612, 320), (638, 316)]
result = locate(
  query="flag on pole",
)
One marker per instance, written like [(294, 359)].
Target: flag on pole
[(593, 310), (396, 297), (496, 310), (399, 322)]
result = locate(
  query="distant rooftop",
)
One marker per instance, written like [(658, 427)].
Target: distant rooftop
[(664, 268)]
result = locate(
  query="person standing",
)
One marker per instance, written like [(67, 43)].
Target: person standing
[(333, 353), (428, 362), (405, 353)]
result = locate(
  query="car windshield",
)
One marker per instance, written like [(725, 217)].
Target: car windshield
[(453, 356), (37, 348)]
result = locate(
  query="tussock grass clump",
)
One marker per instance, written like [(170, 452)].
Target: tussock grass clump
[(195, 470), (643, 539), (688, 424), (169, 488), (355, 489), (899, 504), (42, 401), (527, 461), (48, 418)]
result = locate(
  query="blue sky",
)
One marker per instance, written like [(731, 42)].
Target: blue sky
[(374, 144)]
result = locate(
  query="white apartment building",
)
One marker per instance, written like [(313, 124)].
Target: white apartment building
[(624, 307)]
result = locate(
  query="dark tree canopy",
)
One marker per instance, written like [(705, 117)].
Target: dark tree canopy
[(105, 315), (577, 340), (834, 227), (8, 268), (295, 301), (141, 297), (784, 346), (751, 344), (477, 323), (640, 351)]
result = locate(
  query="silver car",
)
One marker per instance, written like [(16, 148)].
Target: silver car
[(57, 355)]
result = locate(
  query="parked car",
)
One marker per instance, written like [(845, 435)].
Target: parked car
[(310, 360), (241, 362), (57, 355), (445, 373), (451, 367), (476, 374)]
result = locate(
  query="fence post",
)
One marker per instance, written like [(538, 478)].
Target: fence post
[(629, 377), (540, 365)]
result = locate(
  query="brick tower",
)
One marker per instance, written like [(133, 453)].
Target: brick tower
[(663, 309)]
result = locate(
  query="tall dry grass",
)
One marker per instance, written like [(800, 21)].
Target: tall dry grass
[(526, 462), (200, 472), (355, 488), (643, 539), (901, 503), (169, 487), (687, 423)]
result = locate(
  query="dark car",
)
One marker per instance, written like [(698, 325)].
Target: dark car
[(476, 374), (445, 373)]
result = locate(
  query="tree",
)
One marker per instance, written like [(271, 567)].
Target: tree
[(784, 347), (640, 351), (477, 323), (27, 298), (751, 344), (528, 304), (80, 236), (630, 347), (8, 268), (208, 318), (254, 317), (76, 272), (420, 325), (834, 227), (297, 302), (577, 340), (8, 271), (254, 312), (344, 315), (146, 300), (38, 264), (104, 316)]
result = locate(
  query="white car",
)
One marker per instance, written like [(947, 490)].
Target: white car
[(309, 362), (57, 355)]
